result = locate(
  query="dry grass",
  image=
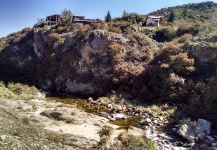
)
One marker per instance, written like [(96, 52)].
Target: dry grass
[(18, 91)]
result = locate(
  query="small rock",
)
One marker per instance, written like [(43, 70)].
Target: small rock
[(119, 116), (136, 114), (112, 119), (174, 129), (203, 126), (166, 122), (119, 108), (179, 143), (191, 144), (106, 115), (201, 136), (109, 106), (161, 118), (3, 137), (155, 122), (214, 144), (210, 138), (203, 146), (90, 99), (148, 120), (191, 139), (177, 126), (145, 122)]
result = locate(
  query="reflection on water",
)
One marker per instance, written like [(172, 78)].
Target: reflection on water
[(96, 109), (84, 105)]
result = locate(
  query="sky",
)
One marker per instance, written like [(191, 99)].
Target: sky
[(18, 14)]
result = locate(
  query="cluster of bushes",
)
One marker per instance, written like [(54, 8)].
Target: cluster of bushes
[(126, 141), (18, 91), (132, 17), (167, 34), (157, 76), (55, 41), (164, 79)]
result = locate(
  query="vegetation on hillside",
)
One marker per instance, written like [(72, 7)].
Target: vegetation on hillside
[(108, 17), (19, 91), (190, 13), (177, 66)]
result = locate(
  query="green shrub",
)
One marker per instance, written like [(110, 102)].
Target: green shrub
[(104, 135), (130, 142), (18, 91), (182, 64), (105, 131), (115, 29), (25, 121), (132, 17), (165, 34), (188, 29)]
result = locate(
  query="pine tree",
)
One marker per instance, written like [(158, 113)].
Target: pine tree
[(185, 11), (171, 17), (108, 17), (124, 14)]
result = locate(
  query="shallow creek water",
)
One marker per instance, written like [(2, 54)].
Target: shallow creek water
[(84, 105)]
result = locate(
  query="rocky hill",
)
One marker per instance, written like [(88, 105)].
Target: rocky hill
[(191, 13), (175, 65), (79, 60)]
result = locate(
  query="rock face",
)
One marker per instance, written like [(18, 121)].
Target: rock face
[(194, 130), (83, 61)]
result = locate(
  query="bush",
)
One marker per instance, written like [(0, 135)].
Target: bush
[(133, 17), (130, 142), (55, 38), (165, 34), (182, 64), (188, 29), (18, 91), (104, 135), (2, 45)]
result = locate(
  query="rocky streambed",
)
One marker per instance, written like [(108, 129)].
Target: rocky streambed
[(72, 123), (156, 122)]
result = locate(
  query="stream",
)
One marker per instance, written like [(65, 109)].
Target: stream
[(162, 134)]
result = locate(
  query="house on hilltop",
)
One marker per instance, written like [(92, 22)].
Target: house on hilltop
[(153, 20), (81, 21), (55, 19)]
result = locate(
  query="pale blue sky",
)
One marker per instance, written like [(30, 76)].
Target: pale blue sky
[(18, 14)]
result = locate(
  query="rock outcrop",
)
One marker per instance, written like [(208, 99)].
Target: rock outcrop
[(195, 131), (83, 61)]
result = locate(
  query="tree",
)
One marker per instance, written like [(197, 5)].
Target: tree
[(124, 14), (185, 12), (132, 17), (108, 17), (40, 20), (66, 16), (171, 17)]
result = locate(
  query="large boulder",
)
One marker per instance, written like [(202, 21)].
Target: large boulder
[(195, 130)]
